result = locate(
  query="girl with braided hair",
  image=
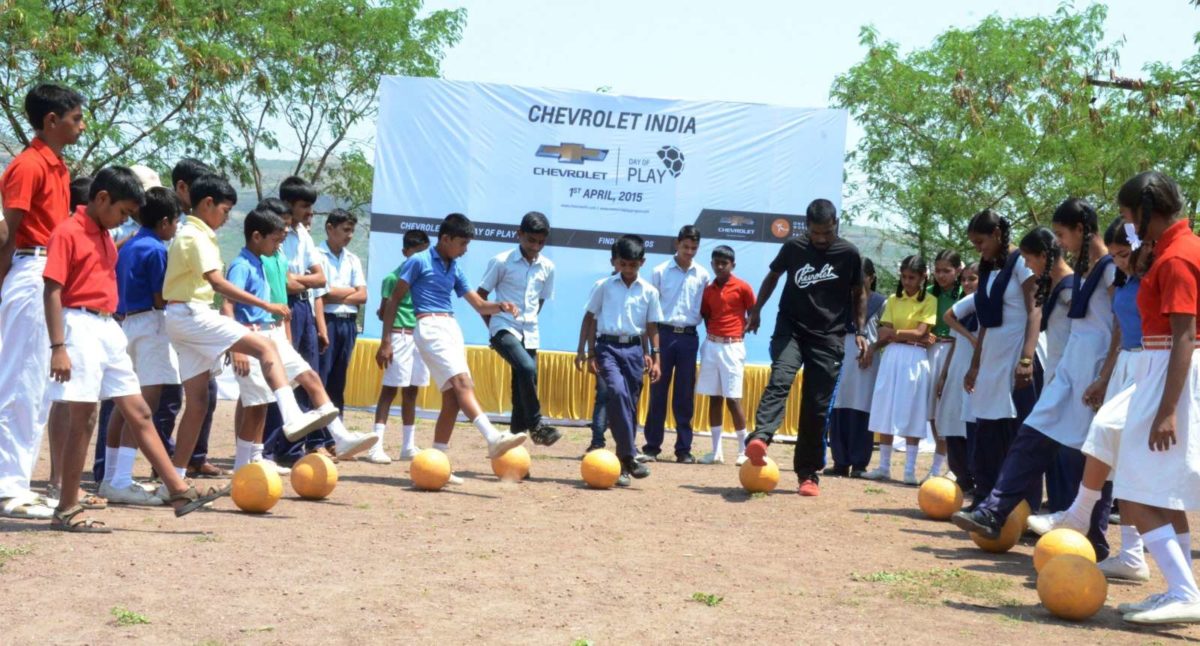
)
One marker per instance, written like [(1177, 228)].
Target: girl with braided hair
[(1055, 283), (1055, 430)]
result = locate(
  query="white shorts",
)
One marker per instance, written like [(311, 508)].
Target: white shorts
[(100, 365), (154, 360), (722, 366), (253, 388), (407, 368), (201, 337), (440, 342)]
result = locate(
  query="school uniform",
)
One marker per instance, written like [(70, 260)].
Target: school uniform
[(1165, 479), (723, 356), (275, 268), (246, 272), (341, 320), (37, 182), (438, 337), (513, 278), (898, 405), (850, 438), (1104, 435), (407, 368), (681, 291), (1055, 327), (954, 421), (939, 352), (622, 314)]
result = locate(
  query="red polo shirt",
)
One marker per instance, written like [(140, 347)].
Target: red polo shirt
[(723, 307), (38, 183), (1171, 285), (82, 258)]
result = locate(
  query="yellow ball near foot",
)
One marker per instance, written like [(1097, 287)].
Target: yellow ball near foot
[(314, 476), (600, 469), (513, 465), (939, 498), (256, 488), (1061, 541), (1014, 526), (1072, 587), (762, 479), (430, 470)]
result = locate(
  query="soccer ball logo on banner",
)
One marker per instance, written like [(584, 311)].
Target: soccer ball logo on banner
[(672, 158)]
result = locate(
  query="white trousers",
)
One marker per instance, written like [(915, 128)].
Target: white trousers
[(24, 374)]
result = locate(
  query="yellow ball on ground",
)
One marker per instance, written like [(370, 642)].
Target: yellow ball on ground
[(1014, 526), (314, 476), (1061, 541), (256, 487), (759, 479), (600, 469), (430, 470), (1072, 587), (939, 498), (513, 465)]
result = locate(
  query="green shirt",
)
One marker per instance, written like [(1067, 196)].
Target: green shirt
[(945, 301), (275, 267), (405, 317)]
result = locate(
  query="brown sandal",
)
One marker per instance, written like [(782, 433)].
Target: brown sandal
[(92, 502), (195, 500), (65, 521)]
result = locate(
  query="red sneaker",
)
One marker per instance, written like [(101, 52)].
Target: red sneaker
[(756, 450), (810, 488)]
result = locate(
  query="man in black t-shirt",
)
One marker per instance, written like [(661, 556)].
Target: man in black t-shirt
[(824, 290)]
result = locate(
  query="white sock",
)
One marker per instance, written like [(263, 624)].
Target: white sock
[(289, 410), (716, 439), (1133, 551), (444, 447), (1185, 544), (1080, 511), (110, 463), (1172, 563), (410, 437), (741, 435), (885, 456), (485, 428), (123, 475), (257, 454), (182, 471), (243, 453), (939, 462), (338, 430), (910, 459)]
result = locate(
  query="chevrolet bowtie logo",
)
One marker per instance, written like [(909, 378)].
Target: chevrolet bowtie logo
[(572, 153)]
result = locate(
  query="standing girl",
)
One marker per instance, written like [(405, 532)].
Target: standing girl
[(947, 266), (849, 435), (898, 406), (955, 427), (1157, 477)]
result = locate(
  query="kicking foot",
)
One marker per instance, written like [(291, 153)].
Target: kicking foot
[(353, 444), (635, 469), (309, 422), (1042, 524), (979, 522), (756, 451), (504, 441)]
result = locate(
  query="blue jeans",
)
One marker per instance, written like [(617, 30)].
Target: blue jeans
[(526, 409)]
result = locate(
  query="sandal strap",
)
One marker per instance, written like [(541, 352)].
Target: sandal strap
[(69, 515), (185, 496)]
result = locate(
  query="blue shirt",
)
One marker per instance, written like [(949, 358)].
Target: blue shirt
[(623, 310), (1126, 309), (246, 272), (141, 266), (430, 281)]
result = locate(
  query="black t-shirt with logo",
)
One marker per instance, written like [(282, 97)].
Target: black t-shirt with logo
[(818, 298)]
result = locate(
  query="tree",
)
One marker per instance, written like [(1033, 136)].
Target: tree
[(1009, 115), (350, 182)]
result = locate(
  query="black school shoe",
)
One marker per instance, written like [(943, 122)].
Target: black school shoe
[(856, 472), (685, 458), (978, 521), (836, 471), (635, 469), (545, 435), (647, 457)]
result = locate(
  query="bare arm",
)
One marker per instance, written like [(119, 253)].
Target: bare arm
[(1033, 326), (764, 294), (652, 335), (483, 293), (913, 336), (232, 292), (487, 308), (383, 356), (954, 324), (322, 330), (60, 362), (587, 340), (314, 279), (12, 222)]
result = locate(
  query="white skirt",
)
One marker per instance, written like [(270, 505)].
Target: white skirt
[(992, 398), (1122, 374), (938, 354), (1060, 413), (855, 385), (950, 406), (1166, 479), (901, 392), (1104, 434)]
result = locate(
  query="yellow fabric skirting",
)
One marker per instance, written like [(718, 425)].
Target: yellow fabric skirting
[(565, 393)]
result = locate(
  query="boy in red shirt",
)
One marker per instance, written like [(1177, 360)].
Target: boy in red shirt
[(723, 306), (89, 360), (36, 190)]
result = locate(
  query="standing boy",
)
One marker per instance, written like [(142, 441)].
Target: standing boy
[(36, 196), (432, 275), (526, 277), (680, 283), (88, 359), (725, 305), (345, 291), (407, 372), (202, 336), (625, 309)]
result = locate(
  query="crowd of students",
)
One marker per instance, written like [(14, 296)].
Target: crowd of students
[(1025, 368)]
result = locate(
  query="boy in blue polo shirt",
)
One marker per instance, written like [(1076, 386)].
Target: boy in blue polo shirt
[(624, 310), (264, 232), (432, 275)]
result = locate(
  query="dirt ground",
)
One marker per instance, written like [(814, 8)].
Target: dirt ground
[(682, 557)]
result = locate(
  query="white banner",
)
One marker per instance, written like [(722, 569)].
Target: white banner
[(598, 166)]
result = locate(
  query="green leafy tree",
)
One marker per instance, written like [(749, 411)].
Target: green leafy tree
[(350, 181)]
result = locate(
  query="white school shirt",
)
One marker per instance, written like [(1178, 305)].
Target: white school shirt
[(512, 278), (622, 310), (340, 271), (301, 254), (681, 291)]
